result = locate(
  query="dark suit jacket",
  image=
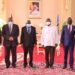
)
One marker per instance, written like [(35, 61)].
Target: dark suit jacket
[(26, 38), (67, 38), (6, 34)]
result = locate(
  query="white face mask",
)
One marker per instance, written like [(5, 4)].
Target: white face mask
[(10, 22), (48, 23), (28, 25)]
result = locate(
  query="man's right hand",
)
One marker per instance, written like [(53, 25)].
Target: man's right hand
[(11, 39), (20, 45)]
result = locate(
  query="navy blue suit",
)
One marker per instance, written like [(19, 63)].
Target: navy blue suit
[(67, 39)]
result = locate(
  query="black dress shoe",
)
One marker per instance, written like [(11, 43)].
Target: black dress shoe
[(14, 65), (47, 66), (8, 66), (31, 66), (64, 67), (24, 66), (51, 67)]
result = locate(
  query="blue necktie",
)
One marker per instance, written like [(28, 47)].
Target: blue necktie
[(28, 30)]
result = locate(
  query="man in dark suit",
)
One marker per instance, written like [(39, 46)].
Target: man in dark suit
[(10, 34), (28, 39), (67, 39)]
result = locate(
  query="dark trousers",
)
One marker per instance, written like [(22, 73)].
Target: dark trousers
[(30, 51), (49, 50), (69, 49), (7, 55)]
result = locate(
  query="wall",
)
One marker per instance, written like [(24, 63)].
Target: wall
[(18, 9), (73, 11), (50, 8)]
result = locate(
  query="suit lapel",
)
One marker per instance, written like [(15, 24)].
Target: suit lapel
[(67, 29), (25, 30)]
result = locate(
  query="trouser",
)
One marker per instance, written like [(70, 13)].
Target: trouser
[(49, 50), (7, 55), (69, 49), (30, 50)]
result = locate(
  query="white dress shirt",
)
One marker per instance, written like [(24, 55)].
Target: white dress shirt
[(70, 26), (49, 36), (10, 27)]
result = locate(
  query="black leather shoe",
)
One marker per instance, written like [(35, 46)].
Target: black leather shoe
[(64, 67), (31, 66), (47, 66), (14, 65), (24, 66), (8, 66), (51, 67)]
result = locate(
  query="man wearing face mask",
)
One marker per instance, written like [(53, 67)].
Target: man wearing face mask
[(28, 39), (10, 34), (67, 40), (49, 40)]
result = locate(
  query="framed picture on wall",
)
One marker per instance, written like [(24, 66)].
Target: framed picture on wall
[(34, 9)]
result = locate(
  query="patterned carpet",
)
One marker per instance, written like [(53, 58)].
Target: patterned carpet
[(39, 59), (38, 70)]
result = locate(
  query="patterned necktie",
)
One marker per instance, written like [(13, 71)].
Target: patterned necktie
[(29, 30)]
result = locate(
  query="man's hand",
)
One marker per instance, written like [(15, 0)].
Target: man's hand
[(20, 45), (42, 46), (11, 38), (1, 49), (58, 50)]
